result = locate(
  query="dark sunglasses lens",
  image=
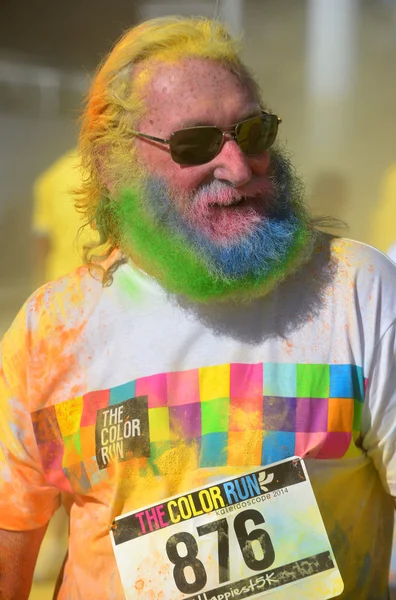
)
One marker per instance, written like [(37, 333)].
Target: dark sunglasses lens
[(195, 145), (257, 134)]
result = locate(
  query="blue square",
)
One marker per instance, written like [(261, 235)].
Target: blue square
[(277, 445), (346, 381), (214, 448), (280, 380), (123, 392)]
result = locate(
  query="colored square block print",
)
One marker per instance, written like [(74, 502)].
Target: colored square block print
[(93, 401), (94, 474), (155, 388), (185, 421), (280, 380), (246, 381), (279, 414), (87, 441), (69, 415), (311, 414), (72, 451), (78, 478), (244, 448), (214, 382), (120, 393), (308, 444), (183, 387), (277, 445), (213, 450), (340, 414), (159, 424), (215, 415), (246, 414), (346, 381), (335, 445), (357, 415), (45, 425), (313, 381)]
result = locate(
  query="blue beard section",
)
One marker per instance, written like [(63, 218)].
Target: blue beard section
[(257, 254)]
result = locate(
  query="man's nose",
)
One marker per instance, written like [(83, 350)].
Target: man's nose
[(231, 164)]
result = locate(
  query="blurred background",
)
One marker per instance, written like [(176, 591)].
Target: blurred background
[(327, 67)]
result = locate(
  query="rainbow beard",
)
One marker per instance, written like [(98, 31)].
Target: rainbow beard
[(186, 260)]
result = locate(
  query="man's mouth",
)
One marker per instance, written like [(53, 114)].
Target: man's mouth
[(231, 203)]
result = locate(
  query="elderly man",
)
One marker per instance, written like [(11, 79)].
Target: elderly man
[(212, 333)]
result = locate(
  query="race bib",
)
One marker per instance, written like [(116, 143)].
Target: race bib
[(256, 535)]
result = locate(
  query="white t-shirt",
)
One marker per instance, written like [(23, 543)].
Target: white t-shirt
[(309, 370)]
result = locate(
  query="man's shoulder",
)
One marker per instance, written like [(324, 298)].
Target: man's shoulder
[(366, 276), (359, 257), (68, 299)]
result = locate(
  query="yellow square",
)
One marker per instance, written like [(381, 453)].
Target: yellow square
[(214, 382), (340, 415), (159, 424), (68, 415), (244, 448)]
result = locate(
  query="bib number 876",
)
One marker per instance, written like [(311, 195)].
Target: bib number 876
[(245, 541)]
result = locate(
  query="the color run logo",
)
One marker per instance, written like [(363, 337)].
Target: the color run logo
[(122, 431)]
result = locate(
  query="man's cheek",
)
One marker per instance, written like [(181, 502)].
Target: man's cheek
[(260, 165)]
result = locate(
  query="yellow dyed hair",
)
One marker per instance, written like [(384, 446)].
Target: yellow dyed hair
[(115, 104)]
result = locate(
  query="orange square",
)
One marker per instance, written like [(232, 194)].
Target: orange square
[(244, 448), (246, 414), (340, 415), (87, 438), (71, 455)]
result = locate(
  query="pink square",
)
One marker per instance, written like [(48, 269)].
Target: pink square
[(336, 444), (155, 387), (51, 454), (93, 401), (309, 444), (246, 381), (183, 387)]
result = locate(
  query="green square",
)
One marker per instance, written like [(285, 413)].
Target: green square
[(313, 381), (157, 449), (215, 415), (357, 415), (73, 443)]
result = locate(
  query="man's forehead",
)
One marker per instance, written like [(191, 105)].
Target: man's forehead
[(195, 88)]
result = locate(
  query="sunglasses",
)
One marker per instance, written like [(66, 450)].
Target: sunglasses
[(199, 145)]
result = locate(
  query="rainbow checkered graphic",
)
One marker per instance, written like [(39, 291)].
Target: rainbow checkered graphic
[(237, 415)]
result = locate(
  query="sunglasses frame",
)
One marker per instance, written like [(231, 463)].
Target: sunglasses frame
[(230, 131)]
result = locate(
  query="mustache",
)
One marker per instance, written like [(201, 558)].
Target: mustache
[(223, 194)]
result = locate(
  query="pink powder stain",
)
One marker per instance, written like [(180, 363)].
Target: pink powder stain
[(225, 213)]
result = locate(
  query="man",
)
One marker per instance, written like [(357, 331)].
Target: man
[(212, 331)]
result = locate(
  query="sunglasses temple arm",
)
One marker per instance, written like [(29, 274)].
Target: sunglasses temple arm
[(150, 137)]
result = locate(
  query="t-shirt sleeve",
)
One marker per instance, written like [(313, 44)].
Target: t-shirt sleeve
[(379, 414), (27, 501)]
